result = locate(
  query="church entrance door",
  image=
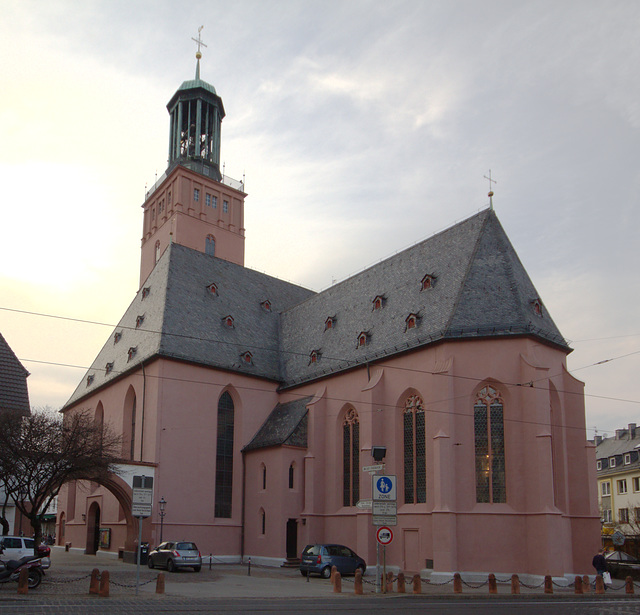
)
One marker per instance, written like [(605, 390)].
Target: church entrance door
[(93, 529), (292, 538)]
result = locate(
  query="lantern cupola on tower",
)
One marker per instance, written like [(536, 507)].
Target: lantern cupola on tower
[(193, 204), (196, 113)]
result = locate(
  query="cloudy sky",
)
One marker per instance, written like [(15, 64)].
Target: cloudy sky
[(362, 127)]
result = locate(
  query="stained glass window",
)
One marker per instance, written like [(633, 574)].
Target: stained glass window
[(489, 442), (415, 459), (224, 457), (351, 458)]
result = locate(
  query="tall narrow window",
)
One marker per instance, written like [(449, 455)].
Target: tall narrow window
[(224, 457), (351, 458), (264, 477), (489, 440), (263, 520), (291, 476), (133, 429), (415, 457)]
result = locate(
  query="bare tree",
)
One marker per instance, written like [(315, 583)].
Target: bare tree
[(41, 452)]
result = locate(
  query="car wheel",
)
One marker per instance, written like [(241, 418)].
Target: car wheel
[(304, 573), (196, 568), (326, 572), (150, 563), (361, 569), (35, 576), (171, 567)]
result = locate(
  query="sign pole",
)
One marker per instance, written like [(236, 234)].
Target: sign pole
[(377, 567), (384, 568), (139, 553)]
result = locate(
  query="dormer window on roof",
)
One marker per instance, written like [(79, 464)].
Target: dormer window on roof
[(117, 336), (132, 352), (428, 281), (90, 380), (139, 321), (363, 338), (228, 321), (379, 301), (330, 323), (145, 292), (266, 305), (247, 357), (108, 368), (314, 357), (537, 307), (213, 289), (411, 321)]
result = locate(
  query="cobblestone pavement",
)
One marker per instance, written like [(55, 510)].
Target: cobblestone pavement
[(65, 589)]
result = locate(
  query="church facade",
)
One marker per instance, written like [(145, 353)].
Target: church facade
[(254, 403)]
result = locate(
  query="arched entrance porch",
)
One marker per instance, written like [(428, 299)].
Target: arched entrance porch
[(94, 516)]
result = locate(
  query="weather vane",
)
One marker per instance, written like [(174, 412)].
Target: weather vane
[(490, 195), (199, 42)]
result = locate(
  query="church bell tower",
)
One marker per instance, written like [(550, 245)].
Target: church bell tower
[(193, 203)]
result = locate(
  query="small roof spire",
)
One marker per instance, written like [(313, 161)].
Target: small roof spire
[(199, 42), (490, 195)]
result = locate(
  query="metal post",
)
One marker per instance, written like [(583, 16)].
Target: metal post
[(162, 504), (139, 553), (377, 567), (384, 567), (249, 568)]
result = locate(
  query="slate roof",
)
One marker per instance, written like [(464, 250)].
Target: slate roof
[(610, 447), (184, 320), (14, 395), (480, 289), (286, 425)]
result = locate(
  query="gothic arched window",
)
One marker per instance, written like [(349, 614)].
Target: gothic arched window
[(224, 457), (415, 458), (488, 426), (351, 458)]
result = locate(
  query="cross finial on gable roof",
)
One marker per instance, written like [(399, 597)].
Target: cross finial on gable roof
[(490, 195)]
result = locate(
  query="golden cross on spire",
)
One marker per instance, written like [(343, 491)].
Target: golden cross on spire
[(199, 42)]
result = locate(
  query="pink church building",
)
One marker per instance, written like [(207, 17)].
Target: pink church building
[(254, 403)]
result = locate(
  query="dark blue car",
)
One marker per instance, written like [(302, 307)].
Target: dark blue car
[(319, 559)]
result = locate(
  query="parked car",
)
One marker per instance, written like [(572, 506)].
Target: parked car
[(174, 555), (17, 547), (319, 559)]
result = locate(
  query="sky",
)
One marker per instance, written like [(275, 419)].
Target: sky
[(361, 127)]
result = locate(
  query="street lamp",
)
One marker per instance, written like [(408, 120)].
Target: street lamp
[(162, 503)]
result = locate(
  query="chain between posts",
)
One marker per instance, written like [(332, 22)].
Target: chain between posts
[(482, 584), (64, 581), (50, 581)]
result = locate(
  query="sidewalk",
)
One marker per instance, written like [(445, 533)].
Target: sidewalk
[(69, 576)]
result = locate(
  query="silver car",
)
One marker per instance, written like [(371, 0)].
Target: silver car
[(174, 555)]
